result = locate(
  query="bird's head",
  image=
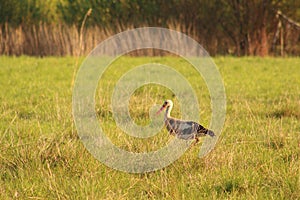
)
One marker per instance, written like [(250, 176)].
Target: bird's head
[(167, 103)]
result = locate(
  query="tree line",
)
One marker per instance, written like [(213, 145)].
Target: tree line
[(237, 27)]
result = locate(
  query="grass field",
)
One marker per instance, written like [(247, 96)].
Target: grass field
[(256, 157)]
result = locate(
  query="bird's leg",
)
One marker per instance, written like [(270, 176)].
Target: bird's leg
[(196, 139)]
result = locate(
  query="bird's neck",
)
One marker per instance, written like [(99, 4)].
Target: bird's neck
[(168, 111)]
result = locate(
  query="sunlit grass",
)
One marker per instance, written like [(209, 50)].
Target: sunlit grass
[(256, 157)]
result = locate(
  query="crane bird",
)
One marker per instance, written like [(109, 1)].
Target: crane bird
[(186, 130)]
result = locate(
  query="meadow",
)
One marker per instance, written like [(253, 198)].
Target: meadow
[(257, 155)]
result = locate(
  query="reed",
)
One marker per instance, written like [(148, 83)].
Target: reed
[(68, 40)]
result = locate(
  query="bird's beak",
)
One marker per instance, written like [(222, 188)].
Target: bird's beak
[(159, 111)]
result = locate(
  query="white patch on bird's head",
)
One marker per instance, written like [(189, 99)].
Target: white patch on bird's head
[(168, 103)]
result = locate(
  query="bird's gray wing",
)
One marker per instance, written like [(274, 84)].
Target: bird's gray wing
[(185, 130)]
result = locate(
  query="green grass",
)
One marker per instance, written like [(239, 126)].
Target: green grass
[(256, 157)]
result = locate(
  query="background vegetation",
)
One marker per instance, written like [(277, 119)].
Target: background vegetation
[(258, 154), (256, 157), (237, 27)]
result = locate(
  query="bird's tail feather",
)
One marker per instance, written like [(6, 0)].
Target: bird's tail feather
[(210, 133)]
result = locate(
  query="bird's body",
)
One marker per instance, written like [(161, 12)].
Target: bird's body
[(186, 130)]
